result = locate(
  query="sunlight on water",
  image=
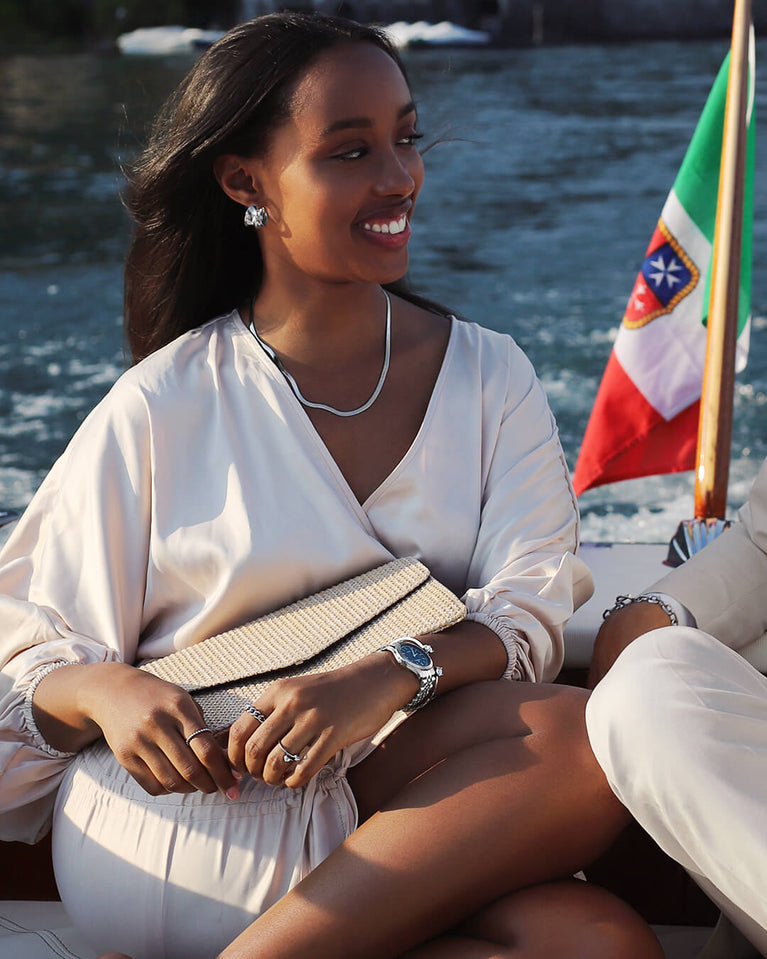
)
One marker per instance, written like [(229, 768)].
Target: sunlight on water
[(541, 195)]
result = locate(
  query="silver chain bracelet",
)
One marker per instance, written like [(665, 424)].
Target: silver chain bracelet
[(621, 601)]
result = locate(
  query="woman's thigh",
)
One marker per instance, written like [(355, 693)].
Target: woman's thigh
[(552, 715)]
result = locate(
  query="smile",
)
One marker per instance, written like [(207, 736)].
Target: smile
[(393, 226)]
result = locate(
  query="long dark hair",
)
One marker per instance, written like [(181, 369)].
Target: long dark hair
[(191, 258)]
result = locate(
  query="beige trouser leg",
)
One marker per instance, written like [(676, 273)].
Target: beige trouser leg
[(679, 726)]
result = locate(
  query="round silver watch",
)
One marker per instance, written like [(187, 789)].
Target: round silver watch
[(416, 656)]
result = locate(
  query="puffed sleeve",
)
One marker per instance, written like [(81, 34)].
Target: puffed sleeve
[(531, 580), (72, 583)]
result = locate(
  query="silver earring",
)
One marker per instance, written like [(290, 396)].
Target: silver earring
[(256, 217)]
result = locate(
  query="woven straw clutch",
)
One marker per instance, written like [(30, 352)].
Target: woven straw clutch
[(332, 628)]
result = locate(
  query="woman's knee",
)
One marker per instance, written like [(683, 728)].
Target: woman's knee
[(550, 718), (509, 710), (554, 717), (551, 722), (570, 919)]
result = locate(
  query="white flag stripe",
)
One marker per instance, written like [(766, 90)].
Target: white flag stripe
[(665, 357)]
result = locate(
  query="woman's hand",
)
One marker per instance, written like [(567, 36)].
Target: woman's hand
[(145, 721), (316, 716)]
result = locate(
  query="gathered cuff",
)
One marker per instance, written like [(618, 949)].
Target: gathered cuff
[(36, 737), (511, 639)]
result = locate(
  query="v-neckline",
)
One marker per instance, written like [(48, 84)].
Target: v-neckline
[(361, 508)]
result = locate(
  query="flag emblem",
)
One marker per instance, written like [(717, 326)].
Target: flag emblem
[(667, 276)]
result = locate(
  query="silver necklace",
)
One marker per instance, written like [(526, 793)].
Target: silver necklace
[(323, 406)]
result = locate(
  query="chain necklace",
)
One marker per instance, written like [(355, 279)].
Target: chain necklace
[(323, 406)]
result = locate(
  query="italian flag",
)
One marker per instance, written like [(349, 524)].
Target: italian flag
[(645, 417)]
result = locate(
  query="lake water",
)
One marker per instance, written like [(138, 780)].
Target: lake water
[(538, 206)]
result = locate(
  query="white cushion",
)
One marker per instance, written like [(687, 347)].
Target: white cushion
[(39, 930)]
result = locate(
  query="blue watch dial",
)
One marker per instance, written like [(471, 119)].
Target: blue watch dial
[(413, 654)]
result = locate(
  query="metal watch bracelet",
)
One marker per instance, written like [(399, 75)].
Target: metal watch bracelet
[(428, 676)]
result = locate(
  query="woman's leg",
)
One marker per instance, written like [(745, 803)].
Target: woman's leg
[(568, 919), (491, 789)]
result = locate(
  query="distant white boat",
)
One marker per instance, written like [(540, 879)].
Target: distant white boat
[(162, 41), (165, 41), (444, 34)]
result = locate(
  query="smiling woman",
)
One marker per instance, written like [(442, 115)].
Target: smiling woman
[(344, 160), (295, 417)]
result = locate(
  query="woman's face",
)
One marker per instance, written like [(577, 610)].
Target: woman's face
[(340, 177)]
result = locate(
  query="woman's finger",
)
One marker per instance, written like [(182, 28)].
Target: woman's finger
[(313, 758), (173, 766), (250, 719), (211, 770), (144, 774), (251, 738), (284, 758), (191, 752), (176, 768)]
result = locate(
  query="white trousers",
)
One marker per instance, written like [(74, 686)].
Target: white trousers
[(679, 726), (179, 876)]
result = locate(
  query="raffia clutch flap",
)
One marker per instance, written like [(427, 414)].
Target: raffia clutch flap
[(329, 629)]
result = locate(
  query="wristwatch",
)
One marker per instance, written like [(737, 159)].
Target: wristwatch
[(415, 656)]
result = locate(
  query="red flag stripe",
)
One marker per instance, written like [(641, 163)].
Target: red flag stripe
[(626, 437)]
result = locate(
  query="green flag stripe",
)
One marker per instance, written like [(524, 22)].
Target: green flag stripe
[(697, 184)]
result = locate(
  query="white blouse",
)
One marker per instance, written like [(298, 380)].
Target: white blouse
[(198, 495)]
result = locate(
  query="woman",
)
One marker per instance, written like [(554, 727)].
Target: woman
[(323, 423)]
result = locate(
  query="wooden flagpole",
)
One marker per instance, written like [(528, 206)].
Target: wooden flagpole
[(715, 422)]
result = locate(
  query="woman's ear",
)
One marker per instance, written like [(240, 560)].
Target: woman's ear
[(235, 179)]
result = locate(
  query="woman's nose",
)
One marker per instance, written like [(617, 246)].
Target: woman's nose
[(395, 175)]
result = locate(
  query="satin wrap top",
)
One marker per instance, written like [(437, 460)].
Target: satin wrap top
[(197, 495)]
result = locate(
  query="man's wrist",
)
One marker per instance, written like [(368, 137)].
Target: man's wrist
[(624, 623), (652, 599)]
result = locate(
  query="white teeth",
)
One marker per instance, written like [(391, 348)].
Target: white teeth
[(394, 226)]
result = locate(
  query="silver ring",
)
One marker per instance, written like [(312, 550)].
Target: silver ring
[(288, 756), (197, 732), (255, 712)]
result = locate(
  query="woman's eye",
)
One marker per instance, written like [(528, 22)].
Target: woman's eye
[(354, 154), (408, 140)]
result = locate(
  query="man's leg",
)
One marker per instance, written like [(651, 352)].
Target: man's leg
[(679, 726)]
